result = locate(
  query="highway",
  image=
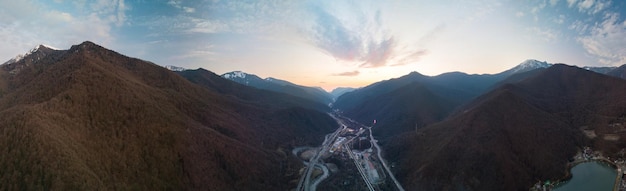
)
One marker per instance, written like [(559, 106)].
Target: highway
[(305, 181), (382, 160), (339, 145)]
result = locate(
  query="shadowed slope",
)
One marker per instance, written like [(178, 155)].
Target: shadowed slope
[(513, 136), (89, 119)]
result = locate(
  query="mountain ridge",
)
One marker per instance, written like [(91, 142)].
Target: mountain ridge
[(96, 119), (282, 86)]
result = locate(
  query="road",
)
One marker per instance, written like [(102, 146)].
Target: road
[(382, 160), (360, 168), (305, 182), (331, 140)]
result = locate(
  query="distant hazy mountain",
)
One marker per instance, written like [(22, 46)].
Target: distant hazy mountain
[(335, 93), (514, 135), (89, 118), (282, 86), (601, 70), (619, 72), (263, 97)]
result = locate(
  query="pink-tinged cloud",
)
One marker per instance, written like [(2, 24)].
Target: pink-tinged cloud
[(352, 73), (365, 42), (412, 57), (378, 54)]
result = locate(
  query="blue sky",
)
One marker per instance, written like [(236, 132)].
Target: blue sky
[(328, 43)]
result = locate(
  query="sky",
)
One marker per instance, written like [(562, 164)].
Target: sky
[(327, 43)]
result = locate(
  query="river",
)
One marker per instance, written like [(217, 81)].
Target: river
[(590, 176)]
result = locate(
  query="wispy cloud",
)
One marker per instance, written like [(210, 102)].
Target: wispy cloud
[(24, 24), (412, 57), (571, 3), (354, 35), (553, 2), (179, 5), (593, 6), (351, 73), (606, 41)]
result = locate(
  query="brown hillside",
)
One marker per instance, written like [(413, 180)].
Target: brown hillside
[(515, 135), (92, 119)]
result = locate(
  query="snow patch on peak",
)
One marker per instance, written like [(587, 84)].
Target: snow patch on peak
[(175, 68), (20, 57), (48, 46), (528, 65), (235, 74)]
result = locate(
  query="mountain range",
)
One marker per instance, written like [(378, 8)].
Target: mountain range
[(277, 85), (89, 118), (516, 134)]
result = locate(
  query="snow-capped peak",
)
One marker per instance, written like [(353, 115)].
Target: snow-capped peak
[(19, 57), (48, 46), (528, 65), (235, 74), (175, 68)]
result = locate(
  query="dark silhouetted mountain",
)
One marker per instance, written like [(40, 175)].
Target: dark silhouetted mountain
[(513, 136), (455, 87), (282, 86), (411, 106), (89, 118), (335, 93), (404, 109)]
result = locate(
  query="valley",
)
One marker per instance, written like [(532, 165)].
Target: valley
[(196, 130), (342, 147)]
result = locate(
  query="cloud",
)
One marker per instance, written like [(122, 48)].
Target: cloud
[(592, 6), (553, 2), (178, 4), (606, 41), (353, 35), (378, 54), (560, 19), (571, 3), (25, 24), (412, 57), (585, 4), (351, 73), (546, 34), (113, 11)]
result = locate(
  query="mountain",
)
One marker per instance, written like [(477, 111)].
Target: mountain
[(282, 86), (456, 88), (264, 98), (619, 72), (335, 93), (174, 68), (525, 66), (89, 118), (44, 49), (408, 93), (601, 70), (514, 135)]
